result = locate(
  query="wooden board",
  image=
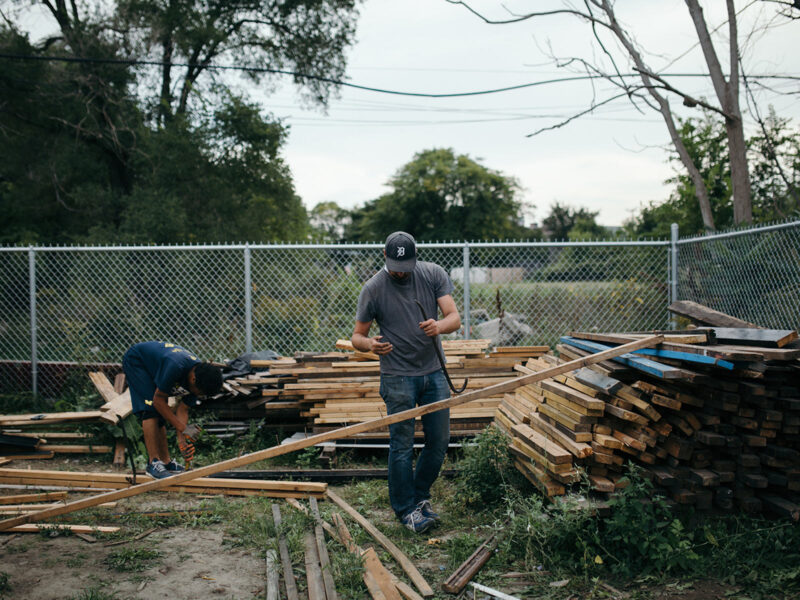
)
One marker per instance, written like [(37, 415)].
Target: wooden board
[(405, 563), (707, 316)]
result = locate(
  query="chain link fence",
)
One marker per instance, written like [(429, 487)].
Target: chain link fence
[(64, 311), (752, 274)]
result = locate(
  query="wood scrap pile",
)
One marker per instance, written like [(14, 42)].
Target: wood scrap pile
[(712, 415)]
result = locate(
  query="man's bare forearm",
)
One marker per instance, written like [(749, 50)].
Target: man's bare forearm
[(450, 323), (361, 342), (160, 404)]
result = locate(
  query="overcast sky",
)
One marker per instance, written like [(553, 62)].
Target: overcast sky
[(611, 162)]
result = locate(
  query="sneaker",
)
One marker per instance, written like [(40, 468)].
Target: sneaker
[(157, 469), (427, 510), (174, 467), (417, 522)]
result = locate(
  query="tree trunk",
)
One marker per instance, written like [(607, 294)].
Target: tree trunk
[(666, 112), (728, 96), (740, 174)]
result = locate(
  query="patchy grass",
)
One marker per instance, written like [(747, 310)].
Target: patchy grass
[(94, 593), (132, 560)]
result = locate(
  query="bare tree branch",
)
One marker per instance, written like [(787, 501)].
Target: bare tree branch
[(578, 115), (688, 100), (525, 17)]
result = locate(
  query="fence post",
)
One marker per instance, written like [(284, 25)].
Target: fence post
[(248, 302), (32, 299), (466, 291), (673, 288)]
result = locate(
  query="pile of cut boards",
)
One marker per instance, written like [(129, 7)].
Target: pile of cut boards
[(345, 391), (712, 416), (42, 435)]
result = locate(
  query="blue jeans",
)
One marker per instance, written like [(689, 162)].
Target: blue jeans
[(407, 486)]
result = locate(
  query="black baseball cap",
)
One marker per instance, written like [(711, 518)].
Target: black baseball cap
[(401, 252)]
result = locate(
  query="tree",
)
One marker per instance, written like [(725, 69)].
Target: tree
[(86, 158), (328, 221), (773, 155), (564, 223), (443, 196), (308, 37), (652, 89)]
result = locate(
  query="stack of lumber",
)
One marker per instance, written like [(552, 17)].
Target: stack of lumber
[(44, 479), (712, 415), (347, 391)]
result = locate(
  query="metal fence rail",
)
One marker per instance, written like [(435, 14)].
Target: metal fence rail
[(62, 306)]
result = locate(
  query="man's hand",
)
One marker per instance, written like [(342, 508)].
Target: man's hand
[(379, 347), (430, 327), (187, 450), (191, 433)]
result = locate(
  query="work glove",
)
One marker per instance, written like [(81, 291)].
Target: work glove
[(191, 433), (187, 450)]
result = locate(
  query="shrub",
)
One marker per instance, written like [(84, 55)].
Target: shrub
[(486, 472)]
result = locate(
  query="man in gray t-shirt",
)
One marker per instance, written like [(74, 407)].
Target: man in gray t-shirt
[(410, 371)]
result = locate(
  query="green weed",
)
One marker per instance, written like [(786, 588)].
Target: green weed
[(308, 458), (132, 559), (486, 471), (94, 593)]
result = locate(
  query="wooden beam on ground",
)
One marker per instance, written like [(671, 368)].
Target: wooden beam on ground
[(286, 560), (380, 582), (343, 432), (469, 568), (37, 527), (341, 533), (273, 576), (316, 587), (378, 576), (405, 563), (21, 498), (322, 552)]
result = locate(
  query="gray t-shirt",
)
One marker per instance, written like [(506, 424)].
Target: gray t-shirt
[(391, 304)]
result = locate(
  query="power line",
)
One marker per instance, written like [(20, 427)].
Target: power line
[(249, 69)]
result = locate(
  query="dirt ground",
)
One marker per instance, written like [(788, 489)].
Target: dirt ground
[(194, 564), (202, 561)]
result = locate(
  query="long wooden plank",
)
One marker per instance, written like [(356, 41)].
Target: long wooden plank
[(639, 363), (376, 575), (707, 316), (375, 572), (322, 552), (288, 573), (46, 418), (315, 586), (208, 482), (343, 432), (405, 563), (37, 527), (20, 498)]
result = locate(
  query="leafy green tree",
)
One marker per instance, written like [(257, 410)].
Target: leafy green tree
[(775, 179), (89, 155), (443, 196), (64, 154), (564, 223), (775, 175), (328, 221), (308, 37)]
